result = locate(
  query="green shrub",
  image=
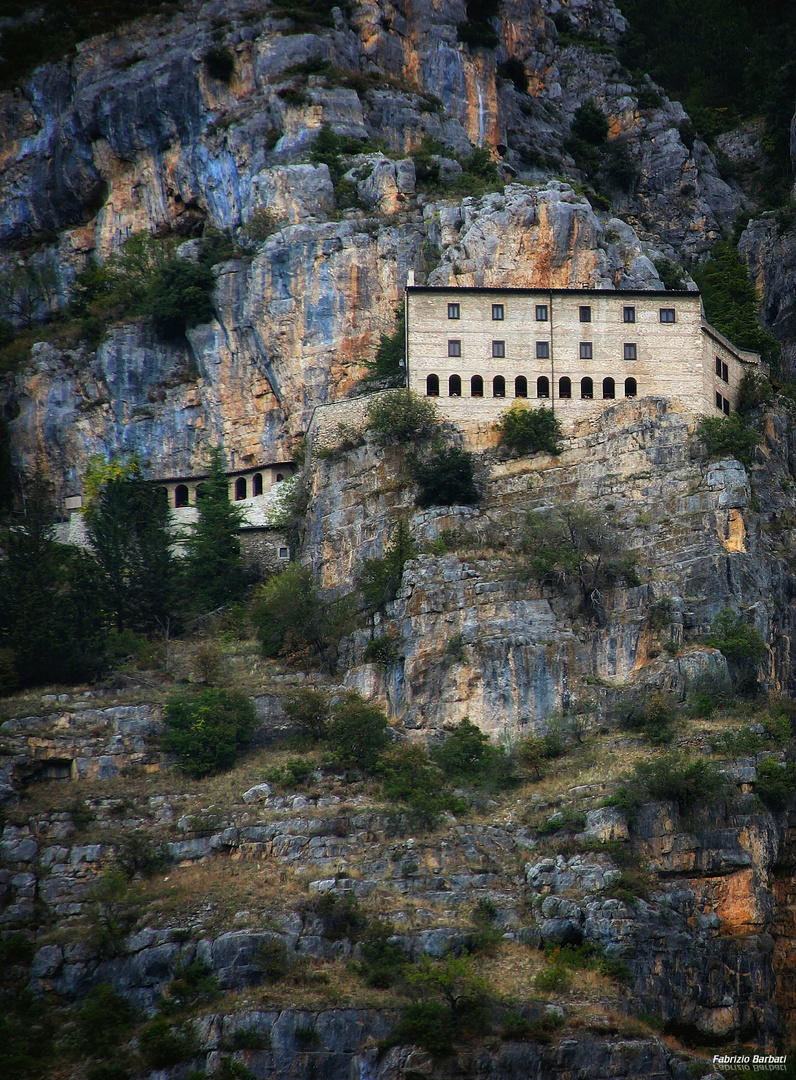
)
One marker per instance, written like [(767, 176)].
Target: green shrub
[(180, 298), (193, 984), (341, 916), (513, 70), (411, 780), (776, 783), (729, 436), (670, 273), (27, 1031), (164, 1045), (15, 949), (590, 124), (446, 479), (530, 430), (383, 962), (382, 650), (743, 647), (330, 149), (293, 774), (293, 621), (208, 731), (274, 964), (308, 710), (402, 417), (467, 755), (358, 733), (754, 392), (453, 1004), (106, 1070), (113, 911), (220, 63), (673, 778), (654, 717), (565, 821), (555, 980), (140, 854), (390, 360), (380, 579), (103, 1021)]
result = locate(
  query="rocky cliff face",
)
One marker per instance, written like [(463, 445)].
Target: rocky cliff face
[(134, 135)]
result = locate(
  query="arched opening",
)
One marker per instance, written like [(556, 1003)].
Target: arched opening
[(498, 386), (257, 484), (587, 388), (181, 495), (279, 478), (609, 388), (520, 386), (631, 388), (455, 386), (432, 386), (240, 488), (476, 386), (543, 386), (565, 387)]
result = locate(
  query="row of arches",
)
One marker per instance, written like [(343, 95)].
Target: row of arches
[(241, 489), (609, 387)]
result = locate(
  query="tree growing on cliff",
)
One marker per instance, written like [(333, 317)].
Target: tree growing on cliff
[(402, 417), (50, 612), (209, 730), (530, 430), (575, 545), (128, 525), (380, 579), (742, 645), (213, 567)]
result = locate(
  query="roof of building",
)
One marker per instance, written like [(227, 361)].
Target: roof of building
[(670, 294)]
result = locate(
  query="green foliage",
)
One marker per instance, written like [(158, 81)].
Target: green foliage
[(514, 71), (6, 472), (274, 964), (754, 392), (358, 733), (670, 273), (553, 980), (380, 579), (467, 755), (208, 731), (103, 1021), (390, 361), (478, 29), (193, 984), (15, 949), (446, 479), (673, 778), (293, 774), (776, 783), (128, 525), (331, 149), (530, 430), (51, 618), (411, 780), (401, 417), (341, 916), (26, 1036), (742, 645), (731, 301), (382, 650), (577, 545), (139, 853), (653, 716), (308, 710), (180, 297), (213, 566), (164, 1044), (453, 1003), (590, 124), (114, 909), (533, 751), (383, 962), (729, 436), (292, 620), (565, 821), (307, 13), (220, 63)]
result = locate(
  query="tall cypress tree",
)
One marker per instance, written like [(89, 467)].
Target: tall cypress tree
[(214, 569), (128, 524)]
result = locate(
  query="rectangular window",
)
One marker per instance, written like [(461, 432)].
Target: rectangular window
[(629, 350), (542, 350), (453, 311), (725, 373), (667, 314), (585, 314), (585, 350), (497, 312), (499, 349), (541, 312), (628, 314), (284, 553), (726, 406), (718, 366), (719, 400), (454, 348)]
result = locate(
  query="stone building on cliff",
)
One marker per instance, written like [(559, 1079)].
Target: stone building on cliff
[(572, 349)]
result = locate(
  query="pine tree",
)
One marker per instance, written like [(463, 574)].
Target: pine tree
[(128, 524), (214, 570)]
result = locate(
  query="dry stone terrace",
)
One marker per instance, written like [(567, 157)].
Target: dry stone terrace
[(475, 347)]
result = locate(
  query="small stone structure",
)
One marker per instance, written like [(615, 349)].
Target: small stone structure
[(477, 349), (331, 423)]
